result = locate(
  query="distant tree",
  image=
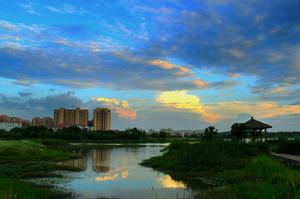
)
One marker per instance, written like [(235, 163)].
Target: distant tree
[(163, 134), (210, 132), (2, 133), (238, 131), (135, 133)]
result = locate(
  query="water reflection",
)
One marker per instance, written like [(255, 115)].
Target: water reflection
[(167, 182), (101, 160), (114, 171), (77, 163), (109, 177)]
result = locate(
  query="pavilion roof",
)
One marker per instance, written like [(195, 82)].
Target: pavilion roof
[(255, 124)]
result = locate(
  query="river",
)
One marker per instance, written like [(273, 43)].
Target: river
[(113, 171)]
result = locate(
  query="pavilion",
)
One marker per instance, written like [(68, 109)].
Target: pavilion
[(253, 125)]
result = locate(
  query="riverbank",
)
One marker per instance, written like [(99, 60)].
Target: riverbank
[(23, 159), (230, 169)]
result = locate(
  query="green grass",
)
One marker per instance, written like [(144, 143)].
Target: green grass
[(16, 189), (25, 150), (231, 170), (262, 178), (31, 159), (205, 157)]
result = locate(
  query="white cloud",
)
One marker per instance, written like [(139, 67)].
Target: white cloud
[(66, 9)]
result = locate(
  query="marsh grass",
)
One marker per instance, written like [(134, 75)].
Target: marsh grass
[(30, 159), (231, 170)]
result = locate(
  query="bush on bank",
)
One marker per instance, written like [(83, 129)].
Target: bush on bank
[(233, 170), (206, 156)]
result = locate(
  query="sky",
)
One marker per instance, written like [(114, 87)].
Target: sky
[(181, 64)]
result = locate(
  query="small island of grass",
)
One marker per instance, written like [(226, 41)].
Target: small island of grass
[(231, 170)]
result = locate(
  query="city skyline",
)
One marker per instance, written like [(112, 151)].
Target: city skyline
[(155, 64), (63, 118)]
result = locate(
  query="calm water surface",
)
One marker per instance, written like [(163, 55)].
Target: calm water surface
[(114, 171)]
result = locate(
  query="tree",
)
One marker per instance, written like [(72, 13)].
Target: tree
[(210, 132), (238, 131)]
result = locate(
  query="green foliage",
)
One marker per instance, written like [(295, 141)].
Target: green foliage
[(210, 132), (15, 189), (236, 170), (287, 146), (266, 178), (29, 159), (30, 150), (74, 133), (207, 156), (238, 131)]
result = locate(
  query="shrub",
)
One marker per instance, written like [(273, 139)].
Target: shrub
[(288, 146)]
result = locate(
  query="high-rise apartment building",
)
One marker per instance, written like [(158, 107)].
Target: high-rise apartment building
[(46, 122), (7, 123), (71, 117), (37, 121), (59, 117), (26, 123), (102, 119), (4, 118), (81, 117)]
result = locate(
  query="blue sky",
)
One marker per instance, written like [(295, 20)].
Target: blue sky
[(156, 64)]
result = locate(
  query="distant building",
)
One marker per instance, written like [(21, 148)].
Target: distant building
[(4, 118), (37, 121), (181, 133), (71, 117), (26, 123), (46, 122), (102, 119), (7, 123), (81, 117)]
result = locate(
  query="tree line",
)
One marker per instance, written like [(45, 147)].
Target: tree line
[(76, 133)]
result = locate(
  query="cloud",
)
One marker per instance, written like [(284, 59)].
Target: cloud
[(277, 92), (263, 109), (182, 70), (181, 101), (29, 8), (170, 113), (24, 94), (121, 108), (7, 25), (216, 39), (127, 113), (225, 84), (94, 69), (234, 75), (28, 108), (32, 107), (200, 83), (66, 9)]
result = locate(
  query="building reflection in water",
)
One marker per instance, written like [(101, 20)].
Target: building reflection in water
[(101, 160), (98, 160), (167, 182), (80, 163)]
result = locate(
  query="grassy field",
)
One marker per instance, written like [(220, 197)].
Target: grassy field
[(230, 170), (29, 159)]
